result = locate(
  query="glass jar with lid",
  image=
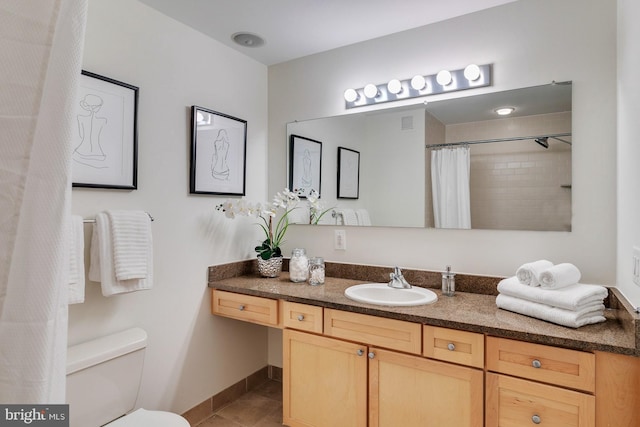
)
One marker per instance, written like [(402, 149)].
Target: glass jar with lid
[(316, 271), (298, 266)]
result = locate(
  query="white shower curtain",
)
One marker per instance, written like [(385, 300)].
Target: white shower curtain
[(450, 187), (41, 45)]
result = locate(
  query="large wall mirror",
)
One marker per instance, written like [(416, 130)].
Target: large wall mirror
[(449, 164)]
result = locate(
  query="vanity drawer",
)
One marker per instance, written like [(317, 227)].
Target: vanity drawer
[(388, 333), (567, 368), (302, 317), (450, 345), (515, 402), (245, 307)]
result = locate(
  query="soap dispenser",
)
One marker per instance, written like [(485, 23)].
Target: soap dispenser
[(448, 282)]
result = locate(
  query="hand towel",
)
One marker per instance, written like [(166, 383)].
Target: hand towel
[(573, 319), (102, 267), (573, 297), (131, 233), (363, 217), (348, 217), (559, 276), (76, 261), (529, 273)]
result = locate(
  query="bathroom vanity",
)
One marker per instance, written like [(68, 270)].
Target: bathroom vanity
[(458, 362)]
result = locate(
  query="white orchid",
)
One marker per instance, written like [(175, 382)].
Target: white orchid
[(286, 200)]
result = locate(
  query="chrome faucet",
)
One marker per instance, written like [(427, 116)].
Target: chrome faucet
[(397, 280)]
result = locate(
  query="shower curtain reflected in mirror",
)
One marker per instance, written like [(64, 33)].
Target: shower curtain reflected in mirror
[(450, 186)]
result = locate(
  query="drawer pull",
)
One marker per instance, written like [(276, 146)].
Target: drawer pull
[(451, 346), (371, 355), (536, 364), (360, 352), (241, 308), (536, 419), (300, 317)]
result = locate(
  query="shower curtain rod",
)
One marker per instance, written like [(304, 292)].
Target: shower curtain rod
[(515, 138), (93, 220)]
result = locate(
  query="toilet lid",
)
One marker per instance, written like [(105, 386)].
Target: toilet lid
[(144, 418)]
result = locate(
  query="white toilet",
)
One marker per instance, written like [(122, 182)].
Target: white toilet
[(103, 378)]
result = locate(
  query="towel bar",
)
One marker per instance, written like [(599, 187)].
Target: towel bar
[(92, 221)]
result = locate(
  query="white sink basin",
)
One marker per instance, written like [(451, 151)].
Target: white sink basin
[(382, 294)]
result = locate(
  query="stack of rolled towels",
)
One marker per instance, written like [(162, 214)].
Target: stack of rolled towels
[(552, 293)]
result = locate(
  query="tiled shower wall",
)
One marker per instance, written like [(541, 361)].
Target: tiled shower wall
[(519, 185)]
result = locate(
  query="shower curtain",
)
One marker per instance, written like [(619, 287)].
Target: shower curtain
[(41, 44), (450, 187)]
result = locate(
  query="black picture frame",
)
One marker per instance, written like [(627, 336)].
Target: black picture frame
[(105, 142), (305, 165), (218, 153), (348, 173)]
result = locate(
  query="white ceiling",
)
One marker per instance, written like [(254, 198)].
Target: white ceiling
[(297, 28)]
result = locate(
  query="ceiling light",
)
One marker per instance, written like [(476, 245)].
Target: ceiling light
[(505, 111), (472, 72), (444, 77), (247, 39), (351, 95), (370, 90), (394, 86), (418, 82)]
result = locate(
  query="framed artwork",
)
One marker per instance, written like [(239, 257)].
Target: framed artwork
[(348, 173), (218, 153), (105, 141), (305, 165)]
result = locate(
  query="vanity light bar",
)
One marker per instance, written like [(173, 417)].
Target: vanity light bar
[(469, 77)]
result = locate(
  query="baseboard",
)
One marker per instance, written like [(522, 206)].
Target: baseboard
[(208, 407)]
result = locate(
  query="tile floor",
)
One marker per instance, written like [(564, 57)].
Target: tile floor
[(260, 407)]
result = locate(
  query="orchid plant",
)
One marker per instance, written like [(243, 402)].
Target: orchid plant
[(286, 201), (315, 207)]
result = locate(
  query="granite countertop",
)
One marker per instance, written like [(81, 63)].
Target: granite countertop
[(467, 310)]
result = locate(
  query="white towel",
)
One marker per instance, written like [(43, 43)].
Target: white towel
[(529, 273), (76, 261), (131, 233), (559, 276), (363, 217), (573, 297), (574, 319), (102, 267), (348, 217)]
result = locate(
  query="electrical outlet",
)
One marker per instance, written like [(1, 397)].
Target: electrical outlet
[(636, 265), (340, 240)]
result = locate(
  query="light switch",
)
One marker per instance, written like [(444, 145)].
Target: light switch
[(340, 240)]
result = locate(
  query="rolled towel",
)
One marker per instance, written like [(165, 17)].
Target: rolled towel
[(529, 273), (573, 319), (559, 276), (573, 297)]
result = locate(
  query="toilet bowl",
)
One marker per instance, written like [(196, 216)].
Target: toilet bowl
[(103, 380)]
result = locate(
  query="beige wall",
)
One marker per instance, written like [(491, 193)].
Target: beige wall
[(191, 354)]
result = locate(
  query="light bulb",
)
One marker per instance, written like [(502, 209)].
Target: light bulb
[(370, 90), (505, 111), (418, 82), (472, 72), (350, 95), (444, 77), (394, 86)]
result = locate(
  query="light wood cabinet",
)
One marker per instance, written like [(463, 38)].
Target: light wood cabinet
[(411, 391), (303, 317), (263, 311), (449, 345), (324, 381), (514, 402)]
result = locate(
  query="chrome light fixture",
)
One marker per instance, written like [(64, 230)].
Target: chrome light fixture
[(469, 77)]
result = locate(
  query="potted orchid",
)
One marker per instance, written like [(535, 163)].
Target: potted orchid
[(269, 252)]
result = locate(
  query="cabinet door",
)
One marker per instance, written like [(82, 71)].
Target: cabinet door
[(513, 402), (410, 391), (324, 381)]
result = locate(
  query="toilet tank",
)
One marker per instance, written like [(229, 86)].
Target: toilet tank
[(103, 377)]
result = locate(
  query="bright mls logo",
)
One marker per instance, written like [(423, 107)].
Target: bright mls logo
[(34, 415)]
